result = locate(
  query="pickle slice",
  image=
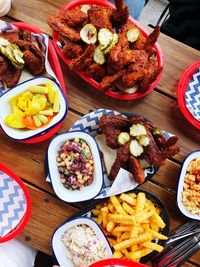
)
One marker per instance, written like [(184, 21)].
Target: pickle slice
[(89, 34), (105, 36), (137, 129), (112, 44), (143, 140), (133, 34), (13, 53), (135, 148), (123, 138), (99, 56)]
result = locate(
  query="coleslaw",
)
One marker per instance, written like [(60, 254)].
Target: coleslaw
[(83, 245)]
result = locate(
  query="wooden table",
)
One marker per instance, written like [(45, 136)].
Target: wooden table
[(160, 106)]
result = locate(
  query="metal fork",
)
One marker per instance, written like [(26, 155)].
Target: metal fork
[(176, 252)]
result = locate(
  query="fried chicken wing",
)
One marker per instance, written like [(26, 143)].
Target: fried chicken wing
[(33, 63), (34, 60), (74, 17), (3, 65), (99, 16), (151, 72), (11, 76), (108, 81), (120, 14), (115, 121), (111, 126), (95, 71), (72, 50), (57, 23), (83, 60), (151, 40), (121, 161), (139, 43), (155, 153), (136, 170), (12, 37), (25, 35)]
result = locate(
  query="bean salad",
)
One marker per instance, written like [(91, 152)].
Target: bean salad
[(75, 164)]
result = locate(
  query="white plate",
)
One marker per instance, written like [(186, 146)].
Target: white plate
[(193, 155), (19, 134), (87, 192), (59, 247)]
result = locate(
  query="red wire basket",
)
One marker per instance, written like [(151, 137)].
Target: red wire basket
[(117, 95), (182, 87), (15, 204), (117, 263)]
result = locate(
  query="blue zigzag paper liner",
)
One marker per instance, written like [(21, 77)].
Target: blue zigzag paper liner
[(40, 40), (90, 123), (192, 95), (12, 204)]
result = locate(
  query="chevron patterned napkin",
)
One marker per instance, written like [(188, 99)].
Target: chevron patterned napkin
[(192, 95), (12, 204)]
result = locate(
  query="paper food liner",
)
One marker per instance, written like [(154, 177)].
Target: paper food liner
[(124, 180), (41, 40), (12, 204), (192, 95)]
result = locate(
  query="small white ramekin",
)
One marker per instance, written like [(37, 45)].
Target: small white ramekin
[(5, 6)]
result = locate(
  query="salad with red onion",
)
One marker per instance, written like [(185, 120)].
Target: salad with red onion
[(75, 164)]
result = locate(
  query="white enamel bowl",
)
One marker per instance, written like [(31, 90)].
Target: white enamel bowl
[(191, 156), (58, 246), (21, 134), (87, 192)]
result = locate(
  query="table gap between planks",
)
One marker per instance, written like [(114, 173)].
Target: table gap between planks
[(160, 106)]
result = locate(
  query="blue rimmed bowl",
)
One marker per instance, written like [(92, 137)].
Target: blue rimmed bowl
[(58, 247), (86, 192), (191, 156), (21, 134)]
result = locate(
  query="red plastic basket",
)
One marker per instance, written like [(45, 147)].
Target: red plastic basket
[(113, 94), (182, 86), (53, 59), (117, 263), (21, 224)]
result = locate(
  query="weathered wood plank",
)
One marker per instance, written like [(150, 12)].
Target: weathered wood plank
[(27, 160), (47, 214)]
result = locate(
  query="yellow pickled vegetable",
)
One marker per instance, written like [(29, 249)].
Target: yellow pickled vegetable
[(37, 121), (47, 112), (36, 89), (34, 107), (51, 92), (42, 118), (56, 104), (15, 120)]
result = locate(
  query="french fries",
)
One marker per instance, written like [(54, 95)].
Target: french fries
[(131, 223)]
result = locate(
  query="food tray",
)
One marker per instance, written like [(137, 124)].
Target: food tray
[(188, 94), (15, 204), (111, 93), (53, 60), (88, 123), (86, 212)]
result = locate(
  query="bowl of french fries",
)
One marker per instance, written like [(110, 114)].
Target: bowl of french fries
[(32, 108), (135, 223)]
